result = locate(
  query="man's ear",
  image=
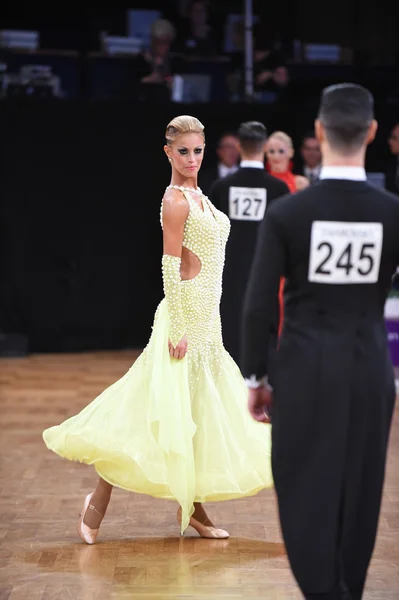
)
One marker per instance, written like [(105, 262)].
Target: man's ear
[(319, 131), (372, 132)]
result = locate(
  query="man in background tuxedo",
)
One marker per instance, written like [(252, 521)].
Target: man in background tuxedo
[(337, 243), (228, 155), (311, 157), (244, 197), (392, 173)]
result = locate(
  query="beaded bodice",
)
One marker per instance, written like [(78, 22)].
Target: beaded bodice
[(205, 235)]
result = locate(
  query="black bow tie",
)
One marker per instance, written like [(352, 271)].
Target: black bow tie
[(312, 176)]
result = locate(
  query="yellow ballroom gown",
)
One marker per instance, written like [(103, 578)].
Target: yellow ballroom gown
[(178, 429)]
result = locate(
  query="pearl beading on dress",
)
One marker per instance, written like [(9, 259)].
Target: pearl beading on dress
[(186, 189), (205, 235), (183, 189)]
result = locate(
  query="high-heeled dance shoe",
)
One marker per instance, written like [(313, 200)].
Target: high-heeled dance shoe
[(87, 534), (205, 531)]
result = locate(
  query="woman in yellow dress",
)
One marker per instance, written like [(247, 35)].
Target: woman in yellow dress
[(176, 425)]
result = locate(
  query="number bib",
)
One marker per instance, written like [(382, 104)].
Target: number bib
[(247, 204), (345, 252)]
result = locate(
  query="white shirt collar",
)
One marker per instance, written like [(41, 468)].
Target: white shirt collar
[(343, 172), (252, 164), (224, 171), (316, 170)]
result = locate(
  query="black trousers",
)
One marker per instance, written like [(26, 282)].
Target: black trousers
[(334, 400), (231, 317)]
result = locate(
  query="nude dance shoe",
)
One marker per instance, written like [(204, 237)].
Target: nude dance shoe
[(205, 531), (87, 534)]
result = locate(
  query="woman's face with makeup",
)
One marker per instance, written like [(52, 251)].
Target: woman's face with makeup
[(186, 153), (278, 154)]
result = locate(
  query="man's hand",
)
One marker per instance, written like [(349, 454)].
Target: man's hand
[(262, 77), (154, 77), (260, 402)]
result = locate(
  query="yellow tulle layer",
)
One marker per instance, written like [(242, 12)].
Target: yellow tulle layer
[(174, 429)]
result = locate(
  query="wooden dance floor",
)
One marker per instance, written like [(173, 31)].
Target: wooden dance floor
[(139, 553)]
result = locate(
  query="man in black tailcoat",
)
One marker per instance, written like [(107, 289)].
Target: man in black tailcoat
[(337, 244)]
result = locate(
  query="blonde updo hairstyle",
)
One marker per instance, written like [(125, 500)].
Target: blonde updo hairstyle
[(284, 139), (181, 125)]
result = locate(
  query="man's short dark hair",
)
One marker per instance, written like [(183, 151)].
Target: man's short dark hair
[(252, 136), (225, 135), (346, 112), (309, 135)]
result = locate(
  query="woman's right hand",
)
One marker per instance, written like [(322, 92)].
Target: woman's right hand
[(180, 350)]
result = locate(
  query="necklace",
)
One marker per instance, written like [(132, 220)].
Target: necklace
[(186, 189)]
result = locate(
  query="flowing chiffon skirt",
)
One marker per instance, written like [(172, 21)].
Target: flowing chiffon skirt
[(174, 429)]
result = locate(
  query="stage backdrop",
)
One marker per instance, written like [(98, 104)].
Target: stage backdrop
[(81, 186)]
